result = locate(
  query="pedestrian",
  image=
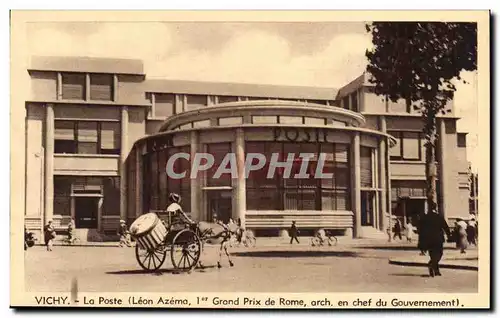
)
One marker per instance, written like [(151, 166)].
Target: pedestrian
[(433, 229), (124, 234), (420, 244), (409, 231), (71, 227), (50, 235), (397, 230), (471, 232), (294, 232), (461, 230)]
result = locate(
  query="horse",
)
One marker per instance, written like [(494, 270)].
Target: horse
[(215, 233)]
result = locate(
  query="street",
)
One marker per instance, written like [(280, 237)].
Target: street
[(342, 268)]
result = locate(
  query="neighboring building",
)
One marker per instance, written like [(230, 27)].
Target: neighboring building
[(474, 193), (98, 136)]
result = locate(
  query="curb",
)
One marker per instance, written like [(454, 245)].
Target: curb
[(442, 265)]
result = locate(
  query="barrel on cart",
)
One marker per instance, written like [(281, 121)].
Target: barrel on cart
[(156, 237)]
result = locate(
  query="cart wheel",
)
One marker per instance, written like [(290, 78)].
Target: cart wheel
[(186, 250), (150, 260), (332, 240)]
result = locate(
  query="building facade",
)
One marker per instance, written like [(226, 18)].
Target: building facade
[(99, 135)]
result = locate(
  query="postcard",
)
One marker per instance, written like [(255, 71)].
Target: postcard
[(243, 159)]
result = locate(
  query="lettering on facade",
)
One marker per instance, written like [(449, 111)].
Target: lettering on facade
[(295, 134), (161, 143)]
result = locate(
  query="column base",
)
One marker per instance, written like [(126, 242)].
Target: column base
[(348, 232)]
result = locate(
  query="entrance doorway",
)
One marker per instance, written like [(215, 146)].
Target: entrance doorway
[(411, 209), (86, 212), (220, 204), (367, 213)]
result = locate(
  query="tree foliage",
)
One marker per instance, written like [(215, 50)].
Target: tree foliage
[(418, 62)]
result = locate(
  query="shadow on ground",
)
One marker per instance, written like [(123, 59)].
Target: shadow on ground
[(396, 248), (158, 272), (296, 254), (410, 275)]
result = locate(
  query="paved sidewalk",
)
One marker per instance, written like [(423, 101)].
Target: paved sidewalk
[(261, 242), (468, 261)]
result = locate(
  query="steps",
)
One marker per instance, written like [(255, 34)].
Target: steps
[(373, 233)]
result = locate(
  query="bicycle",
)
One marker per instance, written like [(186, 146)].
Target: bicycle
[(331, 240), (70, 241)]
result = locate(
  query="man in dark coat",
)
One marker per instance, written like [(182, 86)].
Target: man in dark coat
[(433, 228), (294, 233)]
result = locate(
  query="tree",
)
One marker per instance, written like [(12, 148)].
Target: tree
[(418, 62)]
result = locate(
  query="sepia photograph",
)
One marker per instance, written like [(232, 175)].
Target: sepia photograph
[(250, 160)]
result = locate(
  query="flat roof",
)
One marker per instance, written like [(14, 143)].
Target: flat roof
[(86, 64), (239, 89)]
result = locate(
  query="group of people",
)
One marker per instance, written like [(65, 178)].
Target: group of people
[(434, 231)]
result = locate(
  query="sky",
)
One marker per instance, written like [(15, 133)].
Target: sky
[(325, 54)]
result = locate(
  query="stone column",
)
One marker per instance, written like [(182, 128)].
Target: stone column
[(382, 183), (387, 176), (123, 167), (443, 175), (195, 184), (138, 182), (48, 211), (356, 182), (241, 181)]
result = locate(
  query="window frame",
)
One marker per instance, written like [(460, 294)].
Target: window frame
[(99, 149), (400, 136)]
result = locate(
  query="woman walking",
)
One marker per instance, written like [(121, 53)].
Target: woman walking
[(50, 235)]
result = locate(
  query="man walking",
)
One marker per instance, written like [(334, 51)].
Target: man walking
[(294, 232), (433, 228)]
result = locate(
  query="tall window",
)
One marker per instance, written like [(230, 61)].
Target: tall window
[(87, 137), (366, 167), (409, 145), (73, 86), (354, 102), (159, 185), (101, 87), (279, 193), (219, 151), (345, 102)]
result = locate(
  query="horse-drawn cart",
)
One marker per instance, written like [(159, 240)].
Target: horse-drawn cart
[(156, 237)]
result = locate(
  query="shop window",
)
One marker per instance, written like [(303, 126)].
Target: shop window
[(305, 193), (111, 189), (219, 151), (73, 86), (101, 87), (62, 195)]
